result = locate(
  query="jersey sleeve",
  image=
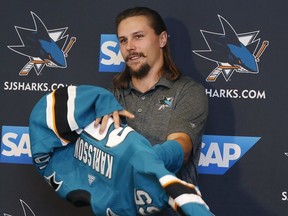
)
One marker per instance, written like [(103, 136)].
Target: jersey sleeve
[(183, 197), (58, 117)]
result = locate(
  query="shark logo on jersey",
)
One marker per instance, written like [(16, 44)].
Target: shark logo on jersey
[(231, 52), (165, 102), (43, 47), (52, 181)]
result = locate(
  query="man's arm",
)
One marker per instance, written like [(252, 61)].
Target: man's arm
[(184, 140)]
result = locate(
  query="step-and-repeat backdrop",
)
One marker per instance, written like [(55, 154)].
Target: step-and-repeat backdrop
[(243, 166)]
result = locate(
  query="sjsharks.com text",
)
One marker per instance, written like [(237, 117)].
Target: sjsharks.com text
[(236, 93), (26, 86)]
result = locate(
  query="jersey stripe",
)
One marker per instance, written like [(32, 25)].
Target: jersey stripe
[(57, 109), (61, 115), (71, 108), (50, 116), (189, 198)]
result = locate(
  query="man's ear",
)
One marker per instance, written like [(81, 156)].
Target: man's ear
[(163, 39)]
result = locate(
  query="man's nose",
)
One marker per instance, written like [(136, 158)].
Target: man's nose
[(130, 45)]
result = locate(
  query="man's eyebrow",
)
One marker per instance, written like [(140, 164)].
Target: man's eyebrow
[(120, 37), (138, 32), (134, 33)]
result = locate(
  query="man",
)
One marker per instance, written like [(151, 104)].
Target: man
[(118, 172), (159, 102)]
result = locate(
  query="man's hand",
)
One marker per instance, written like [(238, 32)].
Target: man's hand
[(116, 117)]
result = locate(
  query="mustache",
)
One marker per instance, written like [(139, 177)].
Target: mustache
[(138, 54)]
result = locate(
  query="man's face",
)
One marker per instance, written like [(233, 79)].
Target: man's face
[(139, 45)]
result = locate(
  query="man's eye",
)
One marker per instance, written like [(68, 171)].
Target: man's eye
[(122, 41)]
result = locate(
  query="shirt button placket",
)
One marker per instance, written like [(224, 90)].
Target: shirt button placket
[(142, 98)]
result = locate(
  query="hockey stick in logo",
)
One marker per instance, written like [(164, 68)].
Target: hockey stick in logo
[(26, 69), (69, 46), (261, 50), (218, 70)]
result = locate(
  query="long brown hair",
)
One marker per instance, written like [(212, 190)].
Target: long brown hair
[(122, 79)]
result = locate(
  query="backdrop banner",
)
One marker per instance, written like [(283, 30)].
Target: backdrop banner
[(244, 151)]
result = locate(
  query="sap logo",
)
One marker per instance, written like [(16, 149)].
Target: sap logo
[(15, 145), (220, 153), (111, 59), (285, 196)]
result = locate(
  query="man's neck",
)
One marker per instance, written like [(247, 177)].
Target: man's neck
[(146, 83)]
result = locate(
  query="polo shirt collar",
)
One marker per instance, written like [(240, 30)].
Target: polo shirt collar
[(163, 81)]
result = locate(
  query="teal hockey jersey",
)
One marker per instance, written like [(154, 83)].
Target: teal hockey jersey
[(117, 172)]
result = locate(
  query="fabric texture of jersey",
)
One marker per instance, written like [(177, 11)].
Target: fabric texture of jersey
[(116, 172)]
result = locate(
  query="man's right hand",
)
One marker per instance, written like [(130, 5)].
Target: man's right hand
[(116, 117)]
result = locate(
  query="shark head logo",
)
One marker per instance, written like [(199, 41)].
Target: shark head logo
[(165, 102), (231, 51), (42, 46)]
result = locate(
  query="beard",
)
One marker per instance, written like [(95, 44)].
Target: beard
[(141, 72)]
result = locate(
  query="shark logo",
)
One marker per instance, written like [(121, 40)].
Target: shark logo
[(43, 47), (165, 102), (52, 181), (231, 52), (26, 209)]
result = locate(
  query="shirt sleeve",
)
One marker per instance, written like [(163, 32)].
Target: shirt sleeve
[(190, 112)]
